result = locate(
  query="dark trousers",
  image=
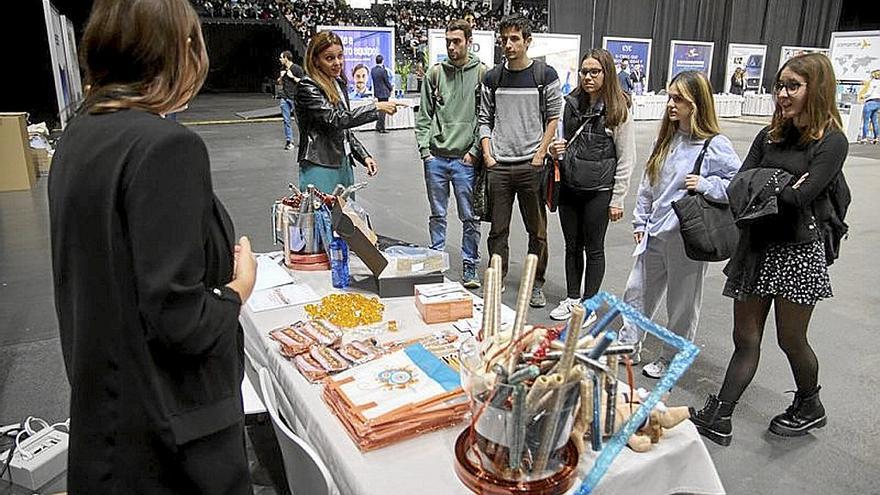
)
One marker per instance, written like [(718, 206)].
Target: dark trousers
[(380, 124), (584, 220), (521, 181)]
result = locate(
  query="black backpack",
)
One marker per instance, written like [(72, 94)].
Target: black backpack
[(495, 74)]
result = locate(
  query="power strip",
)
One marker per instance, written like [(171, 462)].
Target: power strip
[(39, 458)]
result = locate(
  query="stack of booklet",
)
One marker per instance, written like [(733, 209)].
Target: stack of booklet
[(397, 396)]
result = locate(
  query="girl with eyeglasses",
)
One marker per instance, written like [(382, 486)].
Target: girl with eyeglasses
[(781, 260), (689, 127), (596, 170)]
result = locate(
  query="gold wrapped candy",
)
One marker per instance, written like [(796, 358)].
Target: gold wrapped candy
[(347, 310)]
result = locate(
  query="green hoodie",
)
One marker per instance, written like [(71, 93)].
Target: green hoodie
[(450, 130)]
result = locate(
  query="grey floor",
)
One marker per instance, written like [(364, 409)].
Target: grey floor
[(250, 169)]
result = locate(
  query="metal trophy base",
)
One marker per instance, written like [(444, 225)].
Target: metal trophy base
[(483, 482)]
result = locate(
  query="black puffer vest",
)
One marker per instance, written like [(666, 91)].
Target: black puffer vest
[(590, 160)]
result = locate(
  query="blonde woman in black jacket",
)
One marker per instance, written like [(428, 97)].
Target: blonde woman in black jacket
[(327, 146)]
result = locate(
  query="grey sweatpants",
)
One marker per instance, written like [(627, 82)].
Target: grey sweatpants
[(665, 268)]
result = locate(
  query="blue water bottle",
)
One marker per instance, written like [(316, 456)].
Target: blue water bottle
[(339, 263)]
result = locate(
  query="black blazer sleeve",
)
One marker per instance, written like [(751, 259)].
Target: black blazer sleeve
[(168, 204)]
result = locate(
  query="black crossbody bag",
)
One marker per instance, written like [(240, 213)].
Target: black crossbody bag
[(707, 228)]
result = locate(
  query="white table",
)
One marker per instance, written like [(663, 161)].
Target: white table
[(405, 118), (424, 465), (728, 105), (761, 105)]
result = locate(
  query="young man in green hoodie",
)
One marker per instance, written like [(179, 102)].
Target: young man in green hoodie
[(446, 131)]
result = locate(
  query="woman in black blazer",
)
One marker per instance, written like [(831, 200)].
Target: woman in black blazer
[(148, 280), (328, 149)]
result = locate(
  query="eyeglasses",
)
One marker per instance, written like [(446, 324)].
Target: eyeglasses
[(677, 99), (591, 72), (791, 87)]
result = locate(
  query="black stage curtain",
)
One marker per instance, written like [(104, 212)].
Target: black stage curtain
[(765, 22), (244, 55)]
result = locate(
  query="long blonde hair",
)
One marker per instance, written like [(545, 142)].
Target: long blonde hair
[(697, 91), (319, 43), (821, 104), (146, 54)]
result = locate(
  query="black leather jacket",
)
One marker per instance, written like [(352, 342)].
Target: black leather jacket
[(324, 127)]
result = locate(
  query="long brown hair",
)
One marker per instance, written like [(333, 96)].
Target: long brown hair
[(616, 101), (821, 103), (697, 91), (319, 43), (146, 54)]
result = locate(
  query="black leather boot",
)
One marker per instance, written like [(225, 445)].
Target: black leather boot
[(713, 420), (803, 415)]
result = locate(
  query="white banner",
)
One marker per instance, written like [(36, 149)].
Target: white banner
[(560, 51), (751, 59), (793, 51), (483, 46), (56, 35), (854, 54)]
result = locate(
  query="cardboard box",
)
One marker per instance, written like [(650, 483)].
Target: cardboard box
[(362, 241), (17, 171), (443, 303)]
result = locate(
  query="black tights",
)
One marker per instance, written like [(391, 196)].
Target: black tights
[(792, 320), (584, 220)]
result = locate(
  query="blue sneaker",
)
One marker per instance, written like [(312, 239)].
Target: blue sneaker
[(469, 277)]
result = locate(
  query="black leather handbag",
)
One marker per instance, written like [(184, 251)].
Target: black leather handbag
[(707, 228)]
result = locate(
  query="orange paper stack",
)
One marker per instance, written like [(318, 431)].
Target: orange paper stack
[(395, 397)]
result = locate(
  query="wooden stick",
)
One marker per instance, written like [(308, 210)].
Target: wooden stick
[(488, 330), (495, 262), (571, 341), (522, 306)]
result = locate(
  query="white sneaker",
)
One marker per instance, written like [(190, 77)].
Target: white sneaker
[(590, 319), (563, 311), (655, 369)]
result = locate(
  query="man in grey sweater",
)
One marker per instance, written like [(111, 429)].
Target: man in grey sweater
[(521, 104)]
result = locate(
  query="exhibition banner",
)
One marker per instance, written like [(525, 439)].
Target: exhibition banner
[(690, 55), (560, 51), (361, 45), (637, 51), (854, 54), (793, 51), (751, 59), (483, 46), (63, 69)]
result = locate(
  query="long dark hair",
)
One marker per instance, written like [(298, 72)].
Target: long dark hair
[(146, 54), (616, 101)]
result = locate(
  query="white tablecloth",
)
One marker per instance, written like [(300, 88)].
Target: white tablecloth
[(652, 107), (405, 118), (762, 105), (728, 105), (649, 107), (424, 465), (851, 115)]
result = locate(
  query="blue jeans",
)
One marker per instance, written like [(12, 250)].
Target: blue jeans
[(870, 116), (286, 111), (439, 173)]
